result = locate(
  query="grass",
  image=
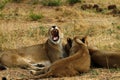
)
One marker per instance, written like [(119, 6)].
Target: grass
[(1, 16), (94, 72), (32, 34), (2, 6), (84, 24), (38, 31), (51, 2), (110, 31), (3, 3), (91, 31), (73, 1), (34, 2), (35, 17), (43, 30), (118, 36), (17, 1), (3, 38), (105, 2), (113, 70), (118, 27)]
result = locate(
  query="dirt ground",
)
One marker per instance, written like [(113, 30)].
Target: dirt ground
[(93, 74)]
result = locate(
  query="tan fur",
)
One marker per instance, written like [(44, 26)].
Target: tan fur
[(28, 57), (106, 59), (77, 62)]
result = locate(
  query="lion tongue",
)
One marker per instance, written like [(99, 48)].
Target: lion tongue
[(55, 38)]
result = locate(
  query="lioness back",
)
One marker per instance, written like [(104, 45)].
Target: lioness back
[(107, 59)]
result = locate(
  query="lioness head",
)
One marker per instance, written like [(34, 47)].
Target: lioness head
[(55, 35), (80, 39), (74, 42)]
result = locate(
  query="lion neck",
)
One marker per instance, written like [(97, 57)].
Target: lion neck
[(57, 46), (54, 50)]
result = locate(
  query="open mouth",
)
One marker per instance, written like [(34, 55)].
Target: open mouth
[(55, 35)]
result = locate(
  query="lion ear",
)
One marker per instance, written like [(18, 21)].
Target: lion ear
[(69, 41), (84, 40)]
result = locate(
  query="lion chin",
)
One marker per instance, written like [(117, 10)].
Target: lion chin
[(55, 35)]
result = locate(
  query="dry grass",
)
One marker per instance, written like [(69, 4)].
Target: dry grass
[(93, 74), (105, 2), (16, 30)]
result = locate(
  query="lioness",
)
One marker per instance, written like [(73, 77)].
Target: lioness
[(103, 59), (41, 55), (107, 59), (77, 62)]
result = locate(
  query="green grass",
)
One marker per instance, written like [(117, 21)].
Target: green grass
[(114, 69), (110, 31), (73, 1), (2, 6), (16, 1), (118, 27), (94, 72), (3, 3), (43, 30), (51, 2), (35, 17), (1, 16)]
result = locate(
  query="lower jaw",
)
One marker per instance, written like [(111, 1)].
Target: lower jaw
[(56, 42)]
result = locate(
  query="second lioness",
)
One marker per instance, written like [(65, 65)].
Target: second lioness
[(37, 55), (105, 59), (101, 58)]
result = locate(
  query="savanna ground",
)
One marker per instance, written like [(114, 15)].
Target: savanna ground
[(25, 23)]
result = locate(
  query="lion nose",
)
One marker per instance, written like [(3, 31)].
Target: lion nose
[(53, 27)]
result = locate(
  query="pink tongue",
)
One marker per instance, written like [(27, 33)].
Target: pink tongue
[(55, 38)]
